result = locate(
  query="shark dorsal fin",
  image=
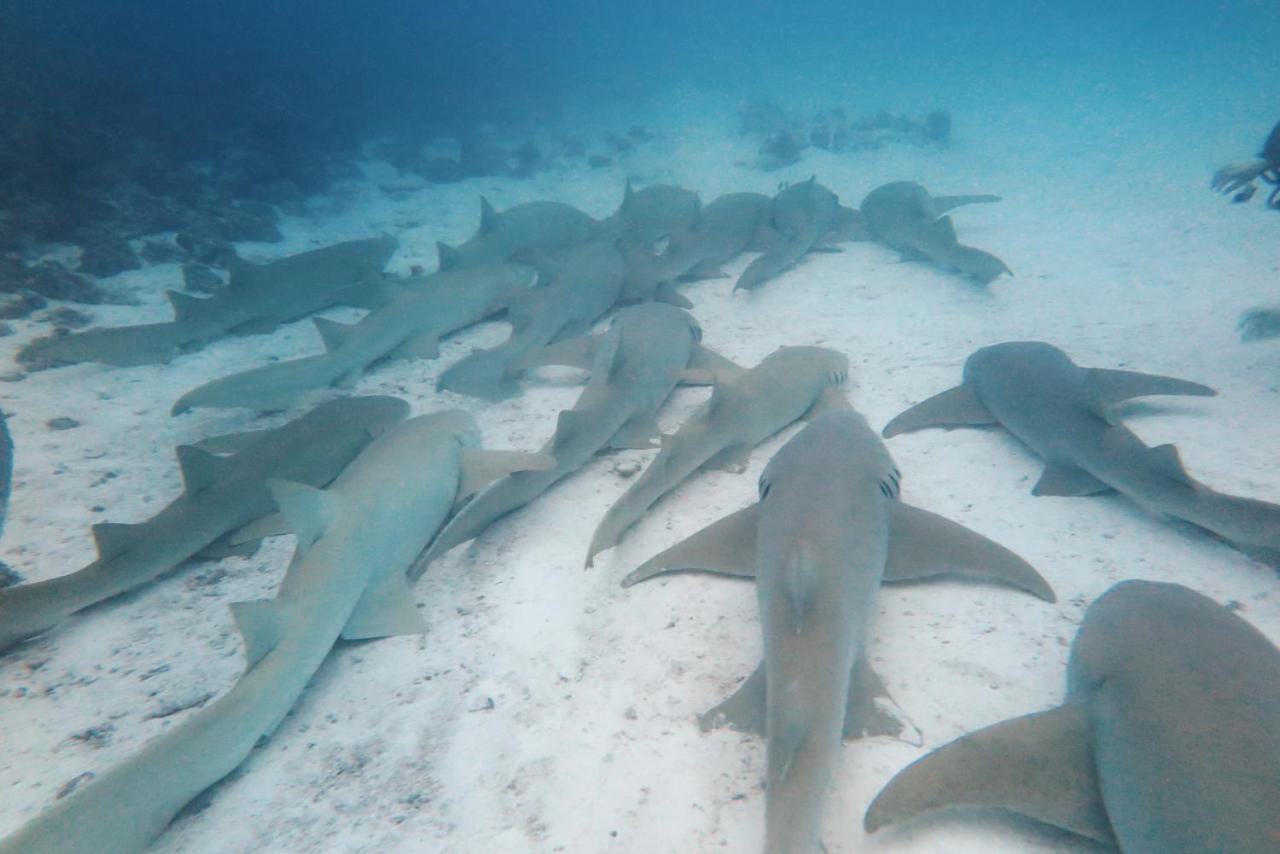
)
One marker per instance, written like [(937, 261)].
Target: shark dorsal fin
[(308, 511), (1166, 460), (481, 468), (185, 306), (449, 258), (200, 468), (260, 625), (114, 538), (242, 276), (627, 192), (489, 218), (568, 423), (945, 230), (386, 609), (332, 333), (1040, 766)]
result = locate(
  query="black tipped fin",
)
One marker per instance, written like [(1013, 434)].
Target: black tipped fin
[(261, 627), (924, 545), (726, 547), (1040, 766), (1106, 387), (744, 711), (1068, 481), (955, 407)]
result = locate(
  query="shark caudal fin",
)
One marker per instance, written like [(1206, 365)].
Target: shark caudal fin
[(955, 407), (924, 545), (1040, 766)]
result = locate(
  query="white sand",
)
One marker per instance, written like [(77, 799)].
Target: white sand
[(547, 709)]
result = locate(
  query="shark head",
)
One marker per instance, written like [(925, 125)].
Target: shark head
[(830, 366)]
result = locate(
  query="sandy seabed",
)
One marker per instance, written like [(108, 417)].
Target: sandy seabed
[(547, 709)]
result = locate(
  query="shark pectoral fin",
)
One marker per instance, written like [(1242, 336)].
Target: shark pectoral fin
[(1106, 387), (307, 511), (726, 547), (955, 407), (115, 538), (733, 458), (200, 468), (332, 333), (666, 292), (571, 352), (1068, 481), (260, 625), (639, 432), (1040, 766), (705, 270), (271, 525), (231, 443), (481, 468), (386, 608), (924, 545), (870, 710), (424, 345), (744, 710), (832, 398), (707, 363)]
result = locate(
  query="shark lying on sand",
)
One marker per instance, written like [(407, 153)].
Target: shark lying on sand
[(409, 326), (581, 284), (220, 495), (533, 226), (1168, 741), (903, 216), (802, 215), (356, 539), (1060, 410), (743, 411), (827, 530), (654, 212), (258, 299), (634, 366)]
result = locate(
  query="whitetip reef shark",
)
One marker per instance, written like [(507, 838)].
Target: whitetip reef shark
[(1061, 411), (1168, 740), (409, 326), (220, 494), (743, 411), (258, 298), (647, 350), (356, 540), (827, 530), (903, 216)]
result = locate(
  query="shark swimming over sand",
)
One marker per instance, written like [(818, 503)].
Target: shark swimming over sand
[(802, 216), (220, 494), (410, 325), (576, 288), (258, 299), (743, 411), (827, 530), (634, 366), (1061, 411), (533, 226), (356, 539), (903, 216), (1168, 740)]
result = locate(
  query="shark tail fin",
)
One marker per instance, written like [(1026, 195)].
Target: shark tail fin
[(1040, 766), (260, 625), (307, 510), (924, 545), (955, 407), (1107, 387), (481, 468), (726, 547)]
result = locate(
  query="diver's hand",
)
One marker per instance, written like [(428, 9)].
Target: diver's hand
[(1260, 323), (1233, 176)]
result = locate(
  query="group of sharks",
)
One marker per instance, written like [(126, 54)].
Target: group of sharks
[(1170, 736)]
